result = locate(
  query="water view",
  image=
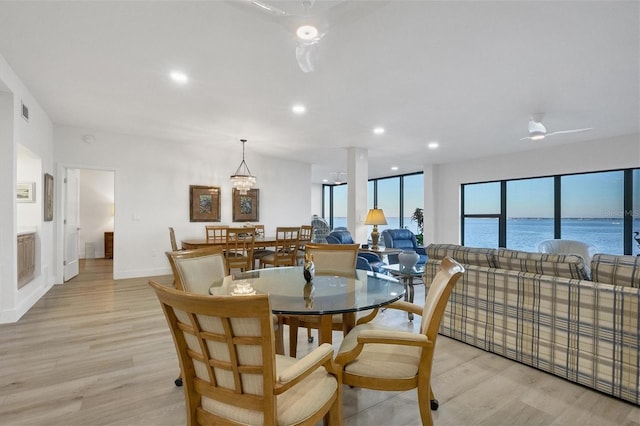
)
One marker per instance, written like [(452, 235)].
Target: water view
[(526, 233)]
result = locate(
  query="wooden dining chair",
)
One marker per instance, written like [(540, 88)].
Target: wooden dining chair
[(286, 248), (328, 259), (376, 357), (217, 233), (172, 238), (232, 374), (239, 248), (306, 234)]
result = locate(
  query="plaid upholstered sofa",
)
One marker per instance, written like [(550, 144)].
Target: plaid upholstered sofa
[(544, 310)]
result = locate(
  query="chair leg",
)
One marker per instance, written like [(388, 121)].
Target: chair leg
[(432, 400), (309, 336), (293, 336), (425, 411), (178, 381), (279, 337)]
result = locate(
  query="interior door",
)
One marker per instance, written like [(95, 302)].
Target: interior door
[(71, 222)]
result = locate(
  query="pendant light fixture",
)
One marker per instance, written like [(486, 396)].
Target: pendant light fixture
[(242, 179)]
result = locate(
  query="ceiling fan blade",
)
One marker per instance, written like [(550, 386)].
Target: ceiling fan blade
[(268, 8), (559, 132), (306, 55), (536, 127)]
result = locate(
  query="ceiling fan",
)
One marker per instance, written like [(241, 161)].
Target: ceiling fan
[(537, 130), (309, 28)]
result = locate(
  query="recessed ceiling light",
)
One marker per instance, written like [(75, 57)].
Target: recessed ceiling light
[(299, 109), (325, 180), (394, 168), (433, 145), (179, 77), (307, 32), (378, 130)]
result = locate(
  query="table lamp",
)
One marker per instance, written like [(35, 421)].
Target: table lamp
[(375, 217)]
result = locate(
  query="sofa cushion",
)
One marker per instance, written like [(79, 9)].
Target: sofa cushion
[(559, 265), (464, 255), (616, 270)]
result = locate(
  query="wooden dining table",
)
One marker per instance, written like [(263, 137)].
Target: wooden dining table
[(323, 297), (189, 244)]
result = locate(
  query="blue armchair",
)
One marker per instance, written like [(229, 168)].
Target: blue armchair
[(403, 239), (343, 236)]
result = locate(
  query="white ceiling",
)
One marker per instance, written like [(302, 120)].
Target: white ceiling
[(467, 74)]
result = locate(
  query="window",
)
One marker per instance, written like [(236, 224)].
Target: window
[(480, 224), (635, 213), (600, 208), (389, 202), (413, 198), (592, 210), (339, 206), (397, 196), (530, 212)]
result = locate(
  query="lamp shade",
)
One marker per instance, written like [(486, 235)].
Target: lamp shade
[(375, 217)]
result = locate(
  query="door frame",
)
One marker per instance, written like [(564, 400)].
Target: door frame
[(60, 189)]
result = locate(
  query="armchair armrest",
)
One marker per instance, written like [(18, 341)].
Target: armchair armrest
[(405, 306), (393, 337), (371, 257), (322, 355)]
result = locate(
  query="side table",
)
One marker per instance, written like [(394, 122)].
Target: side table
[(407, 277)]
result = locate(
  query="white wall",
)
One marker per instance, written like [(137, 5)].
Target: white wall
[(35, 136), (616, 153), (96, 210), (152, 179)]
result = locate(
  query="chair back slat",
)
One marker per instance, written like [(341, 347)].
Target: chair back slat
[(216, 233), (172, 237)]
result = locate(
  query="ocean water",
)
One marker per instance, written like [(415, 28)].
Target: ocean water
[(525, 234)]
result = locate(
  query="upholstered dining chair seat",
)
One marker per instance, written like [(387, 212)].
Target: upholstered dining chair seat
[(399, 361)]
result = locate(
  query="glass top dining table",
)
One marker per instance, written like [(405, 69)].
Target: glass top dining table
[(289, 294)]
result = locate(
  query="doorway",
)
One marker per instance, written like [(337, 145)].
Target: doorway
[(89, 212)]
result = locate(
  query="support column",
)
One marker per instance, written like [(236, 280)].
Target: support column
[(357, 180), (429, 211)]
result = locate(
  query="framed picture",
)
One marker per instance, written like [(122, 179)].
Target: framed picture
[(26, 192), (48, 197), (204, 203), (246, 207)]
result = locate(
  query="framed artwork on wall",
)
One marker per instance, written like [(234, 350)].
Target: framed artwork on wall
[(26, 192), (246, 207), (48, 197), (204, 203)]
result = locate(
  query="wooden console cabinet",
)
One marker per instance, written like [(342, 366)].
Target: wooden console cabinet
[(26, 258), (108, 245)]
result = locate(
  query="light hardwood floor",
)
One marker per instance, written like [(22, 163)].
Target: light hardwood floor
[(95, 351)]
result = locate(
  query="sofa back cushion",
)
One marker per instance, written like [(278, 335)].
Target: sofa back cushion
[(399, 238), (616, 270), (465, 255), (560, 265), (340, 236)]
